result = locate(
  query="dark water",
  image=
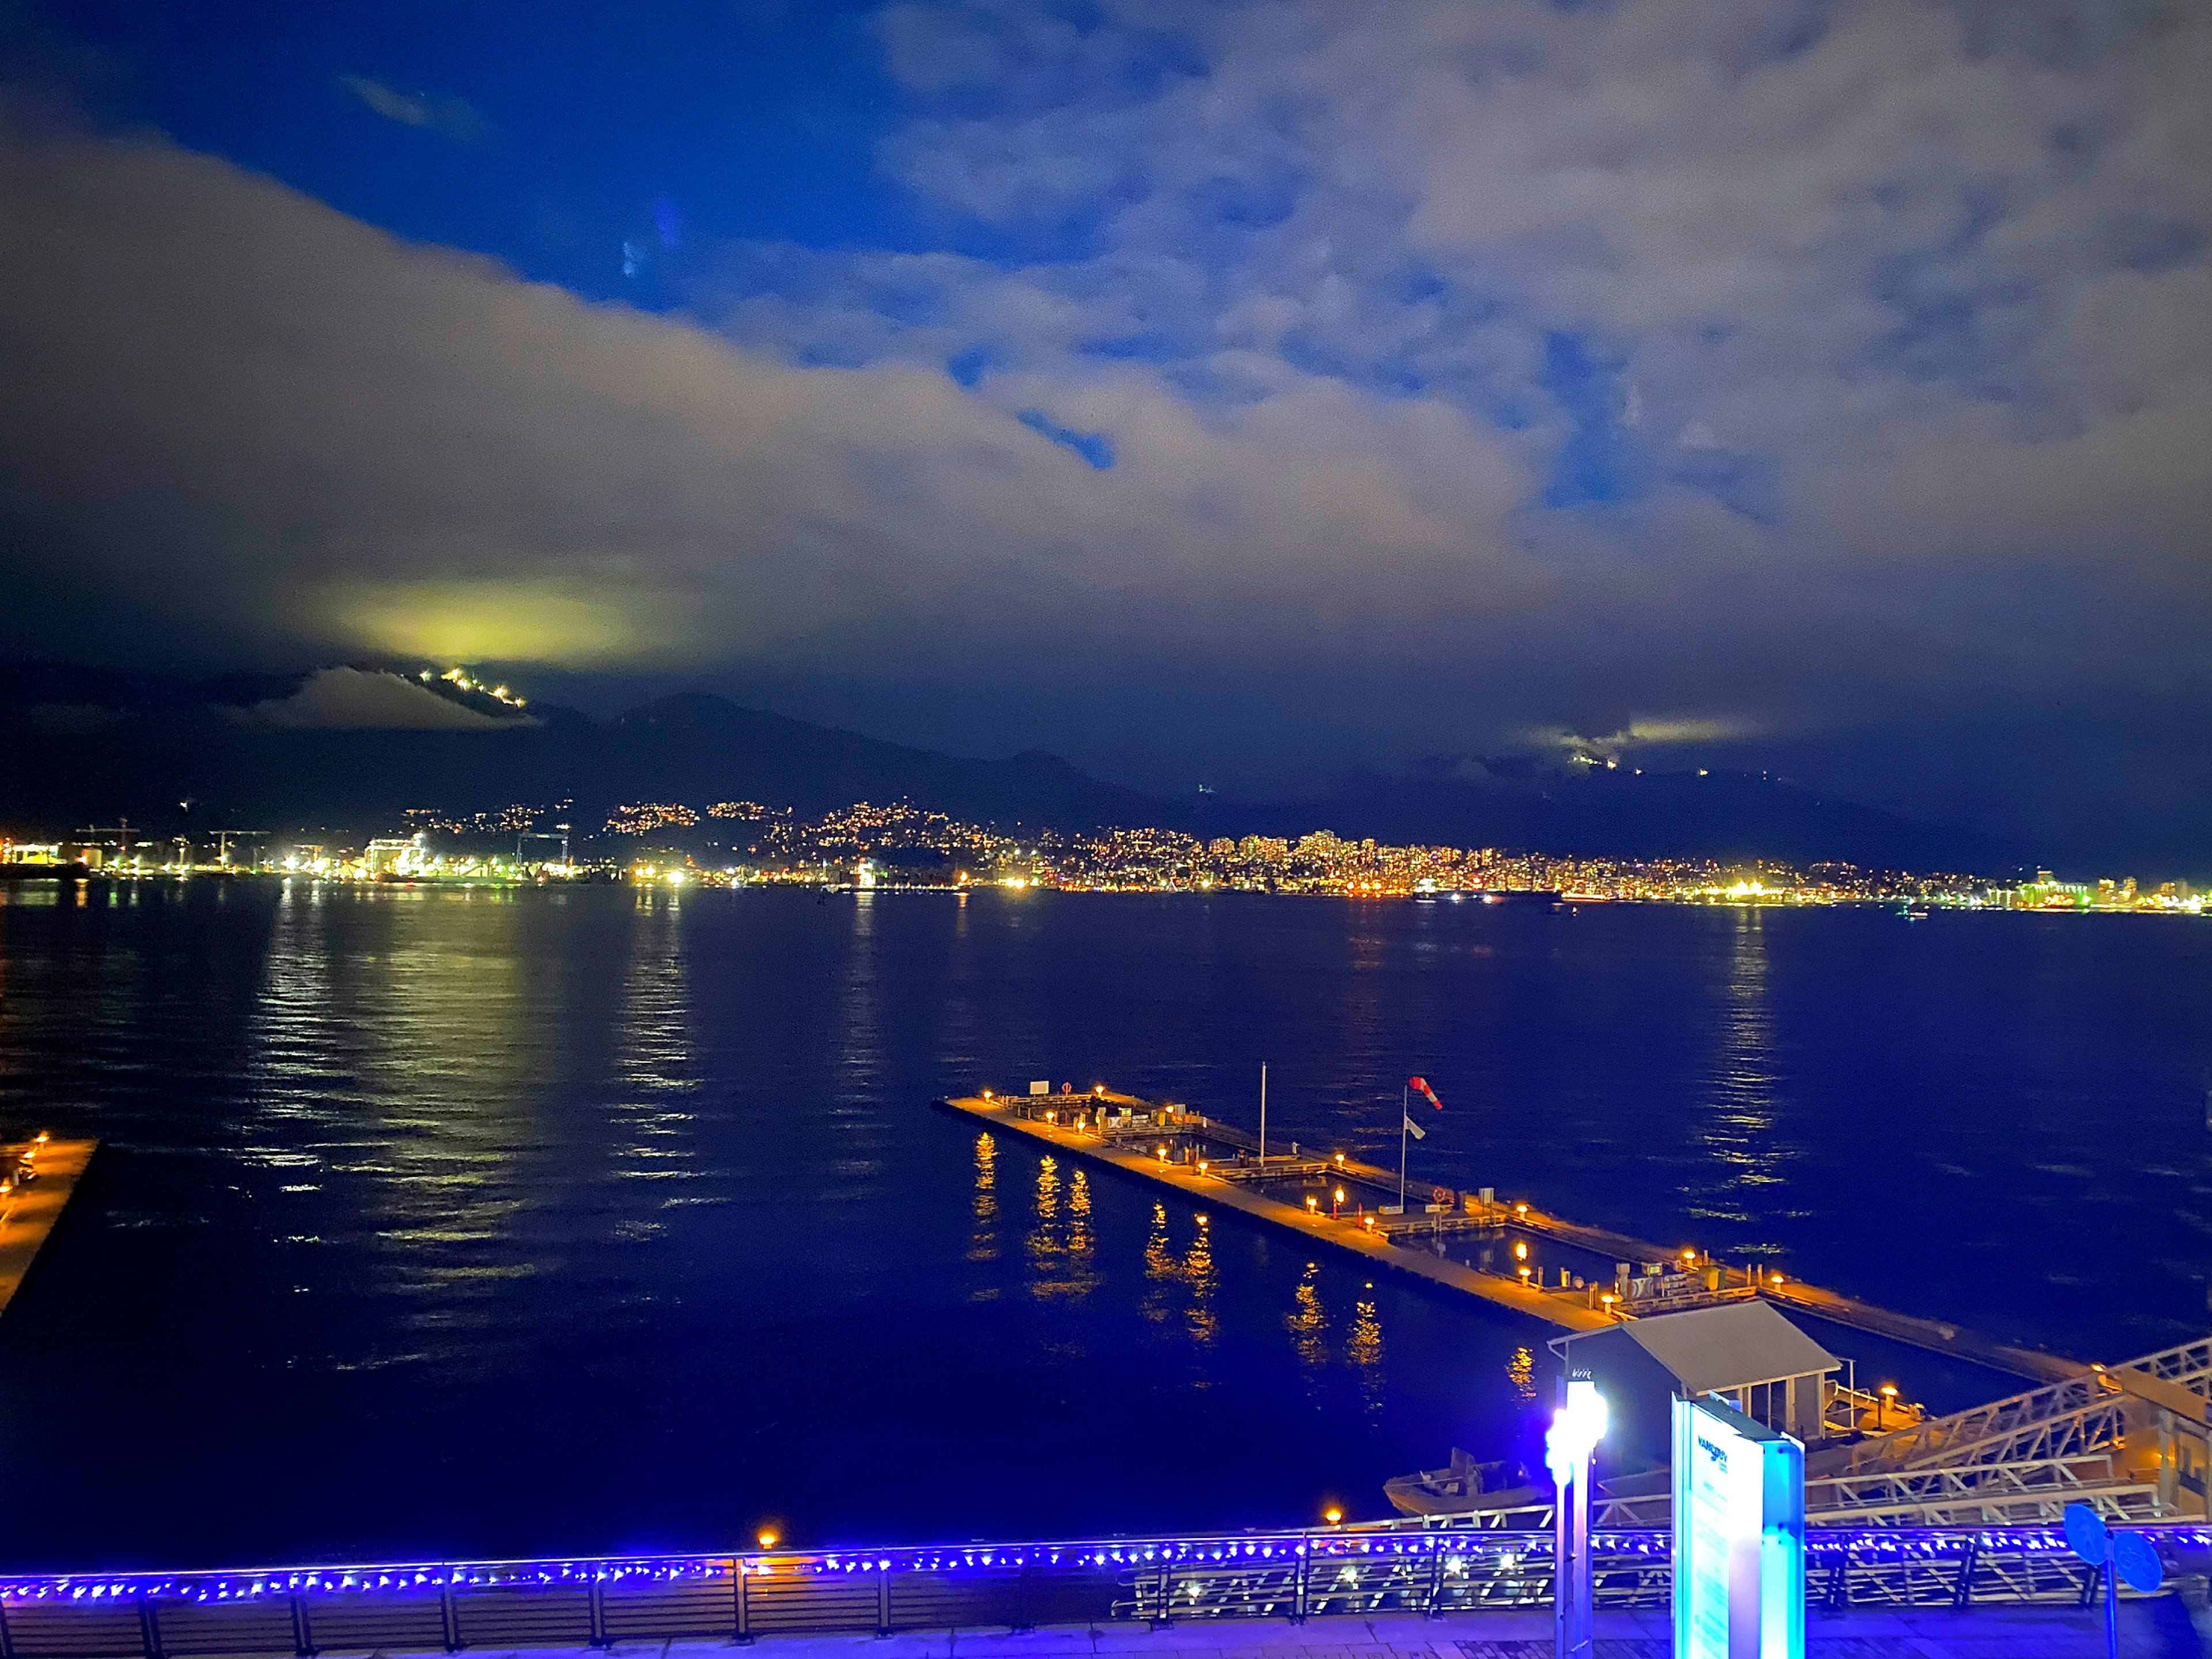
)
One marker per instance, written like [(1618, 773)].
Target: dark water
[(485, 1222)]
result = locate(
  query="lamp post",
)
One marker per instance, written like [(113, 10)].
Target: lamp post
[(1577, 1427)]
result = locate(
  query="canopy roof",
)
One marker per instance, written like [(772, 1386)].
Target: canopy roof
[(1713, 1350)]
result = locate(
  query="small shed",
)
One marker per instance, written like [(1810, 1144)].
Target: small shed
[(1745, 1352)]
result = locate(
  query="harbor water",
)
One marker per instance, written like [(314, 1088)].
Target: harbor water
[(443, 1221)]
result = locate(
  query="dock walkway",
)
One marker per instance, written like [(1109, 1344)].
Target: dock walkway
[(1133, 1151), (1208, 1191), (29, 1211)]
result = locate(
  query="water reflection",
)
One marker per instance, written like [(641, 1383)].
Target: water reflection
[(983, 1237), (1521, 1373), (1162, 1270), (1202, 1321), (1308, 1324), (656, 1072), (1737, 1130), (1363, 1347)]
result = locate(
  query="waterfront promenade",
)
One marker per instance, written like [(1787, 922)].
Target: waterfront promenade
[(2162, 1629)]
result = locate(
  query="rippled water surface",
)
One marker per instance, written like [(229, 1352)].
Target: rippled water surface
[(437, 1221)]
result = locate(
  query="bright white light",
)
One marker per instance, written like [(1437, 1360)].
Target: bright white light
[(1577, 1427)]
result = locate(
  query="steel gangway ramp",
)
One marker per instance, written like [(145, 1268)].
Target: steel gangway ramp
[(2130, 1440)]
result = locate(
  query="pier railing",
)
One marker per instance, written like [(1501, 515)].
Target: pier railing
[(444, 1607)]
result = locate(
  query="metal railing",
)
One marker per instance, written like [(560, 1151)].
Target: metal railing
[(403, 1608)]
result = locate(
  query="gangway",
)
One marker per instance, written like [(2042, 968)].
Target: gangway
[(2129, 1440)]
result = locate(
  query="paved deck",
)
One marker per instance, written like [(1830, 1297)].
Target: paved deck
[(27, 1214), (2158, 1629)]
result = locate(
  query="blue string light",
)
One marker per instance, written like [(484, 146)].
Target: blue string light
[(1826, 1549)]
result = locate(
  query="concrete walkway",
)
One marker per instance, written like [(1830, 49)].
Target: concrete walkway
[(2158, 1629)]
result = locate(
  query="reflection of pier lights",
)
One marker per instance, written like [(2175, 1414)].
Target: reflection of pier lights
[(1577, 1427)]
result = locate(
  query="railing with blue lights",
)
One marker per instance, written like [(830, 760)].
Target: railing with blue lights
[(586, 1603)]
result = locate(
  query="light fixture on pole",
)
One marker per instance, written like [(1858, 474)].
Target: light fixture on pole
[(1577, 1427)]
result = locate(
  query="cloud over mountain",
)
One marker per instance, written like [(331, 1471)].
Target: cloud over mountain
[(1824, 382)]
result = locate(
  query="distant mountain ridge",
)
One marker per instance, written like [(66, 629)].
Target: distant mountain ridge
[(86, 746)]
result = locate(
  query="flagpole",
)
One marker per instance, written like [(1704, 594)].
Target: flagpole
[(1405, 1104), (1263, 1114)]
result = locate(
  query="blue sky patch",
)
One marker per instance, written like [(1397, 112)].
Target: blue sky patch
[(1094, 447)]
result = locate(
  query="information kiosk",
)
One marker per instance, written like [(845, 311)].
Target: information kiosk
[(1739, 1536)]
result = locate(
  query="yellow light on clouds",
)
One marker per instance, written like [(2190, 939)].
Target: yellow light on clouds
[(507, 621)]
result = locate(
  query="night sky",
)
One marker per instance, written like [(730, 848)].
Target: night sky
[(1206, 393)]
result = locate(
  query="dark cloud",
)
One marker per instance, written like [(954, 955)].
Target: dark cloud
[(1825, 388)]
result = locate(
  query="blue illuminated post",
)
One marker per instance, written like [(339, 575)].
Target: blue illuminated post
[(1577, 1427)]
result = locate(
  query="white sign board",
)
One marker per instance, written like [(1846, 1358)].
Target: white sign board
[(1739, 1536), (1041, 1088)]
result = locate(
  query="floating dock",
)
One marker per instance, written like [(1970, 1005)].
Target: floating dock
[(29, 1209), (1168, 1146)]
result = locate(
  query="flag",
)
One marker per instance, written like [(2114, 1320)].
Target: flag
[(1415, 1129), (1420, 1085)]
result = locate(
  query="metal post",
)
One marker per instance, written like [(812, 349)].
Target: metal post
[(303, 1634), (737, 1577), (1263, 1117), (1436, 1607), (1163, 1597), (2111, 1604), (596, 1602), (1298, 1601), (7, 1636), (1965, 1591), (449, 1623), (149, 1626), (884, 1599), (1404, 1098)]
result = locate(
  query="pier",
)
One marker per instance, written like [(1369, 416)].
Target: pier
[(1133, 1152), (29, 1208), (1216, 1165)]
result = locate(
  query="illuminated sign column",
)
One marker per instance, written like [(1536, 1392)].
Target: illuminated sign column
[(1739, 1536)]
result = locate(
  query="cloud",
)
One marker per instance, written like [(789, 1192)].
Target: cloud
[(455, 118), (354, 699), (1464, 369)]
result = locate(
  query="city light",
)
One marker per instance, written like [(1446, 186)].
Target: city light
[(866, 844)]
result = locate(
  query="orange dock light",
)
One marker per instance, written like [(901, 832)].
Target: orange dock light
[(1333, 1514), (769, 1538)]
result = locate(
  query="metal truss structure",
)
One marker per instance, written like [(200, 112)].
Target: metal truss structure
[(2112, 1438), (2123, 1439)]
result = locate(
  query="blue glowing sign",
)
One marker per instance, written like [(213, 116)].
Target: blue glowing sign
[(1739, 1536)]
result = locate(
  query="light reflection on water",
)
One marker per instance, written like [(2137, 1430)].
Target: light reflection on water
[(595, 1219)]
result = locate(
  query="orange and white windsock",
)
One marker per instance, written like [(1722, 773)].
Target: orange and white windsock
[(1420, 1085)]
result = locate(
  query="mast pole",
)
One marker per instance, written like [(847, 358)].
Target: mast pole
[(1404, 1102)]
